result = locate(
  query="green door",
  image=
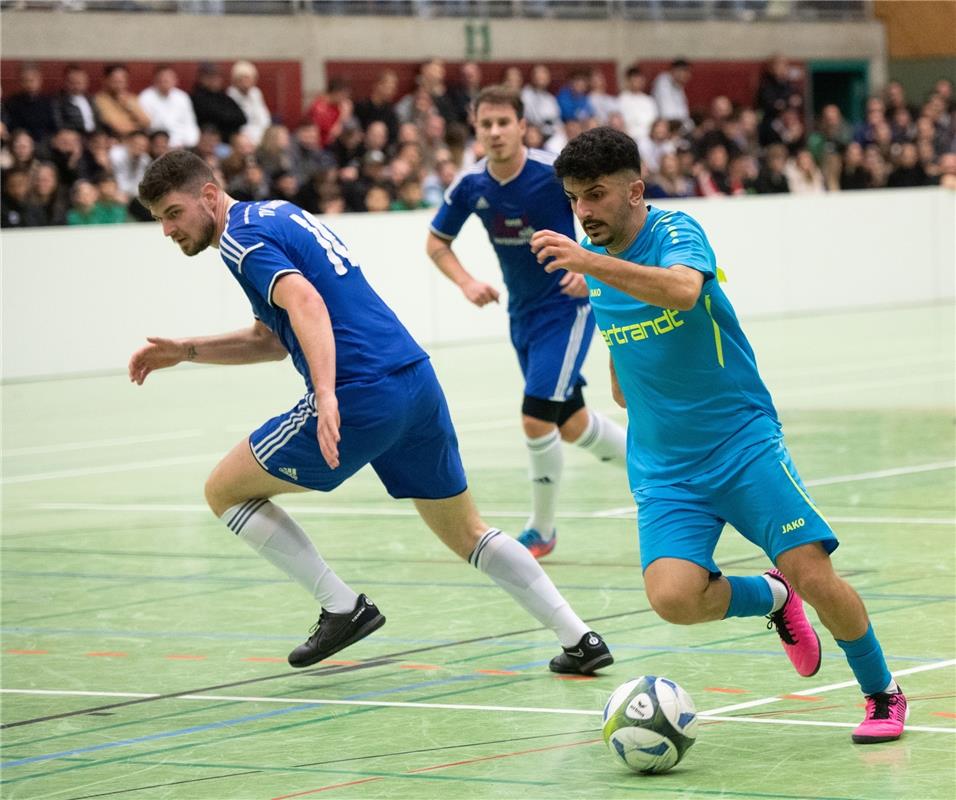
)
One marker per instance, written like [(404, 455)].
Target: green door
[(844, 83)]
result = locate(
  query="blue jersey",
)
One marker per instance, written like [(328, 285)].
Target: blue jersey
[(511, 212), (694, 396), (265, 240)]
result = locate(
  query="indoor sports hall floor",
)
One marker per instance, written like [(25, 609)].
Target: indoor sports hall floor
[(144, 648)]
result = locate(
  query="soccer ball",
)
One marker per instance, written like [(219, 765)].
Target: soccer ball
[(650, 723)]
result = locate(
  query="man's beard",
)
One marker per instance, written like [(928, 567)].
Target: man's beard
[(206, 235)]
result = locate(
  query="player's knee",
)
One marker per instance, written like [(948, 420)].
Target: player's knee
[(215, 498), (674, 605), (810, 573), (814, 585)]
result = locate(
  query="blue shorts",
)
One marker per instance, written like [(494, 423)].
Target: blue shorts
[(758, 491), (551, 346), (399, 424)]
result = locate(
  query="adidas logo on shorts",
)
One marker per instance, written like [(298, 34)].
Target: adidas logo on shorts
[(290, 471)]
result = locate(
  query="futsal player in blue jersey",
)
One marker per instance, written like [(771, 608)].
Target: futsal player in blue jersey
[(371, 398), (513, 190), (705, 445)]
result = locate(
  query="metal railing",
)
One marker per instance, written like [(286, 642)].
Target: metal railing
[(651, 10)]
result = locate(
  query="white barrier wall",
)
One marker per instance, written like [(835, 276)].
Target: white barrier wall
[(82, 299)]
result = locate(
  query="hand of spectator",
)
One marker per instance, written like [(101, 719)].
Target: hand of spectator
[(479, 293), (346, 107), (574, 285)]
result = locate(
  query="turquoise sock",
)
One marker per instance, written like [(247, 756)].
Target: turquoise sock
[(749, 597), (865, 657)]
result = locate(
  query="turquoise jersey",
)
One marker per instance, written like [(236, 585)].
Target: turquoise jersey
[(694, 395)]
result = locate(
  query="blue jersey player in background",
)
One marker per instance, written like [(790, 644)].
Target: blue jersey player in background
[(704, 442), (514, 192), (371, 398)]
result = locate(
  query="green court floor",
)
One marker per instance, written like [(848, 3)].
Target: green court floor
[(143, 648)]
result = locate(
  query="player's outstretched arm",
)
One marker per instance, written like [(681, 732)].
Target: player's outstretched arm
[(312, 325), (247, 346), (440, 252), (672, 287)]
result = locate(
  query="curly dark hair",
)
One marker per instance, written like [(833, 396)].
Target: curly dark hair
[(175, 171), (597, 152)]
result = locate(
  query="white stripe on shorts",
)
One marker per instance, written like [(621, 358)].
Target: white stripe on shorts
[(571, 353), (267, 448)]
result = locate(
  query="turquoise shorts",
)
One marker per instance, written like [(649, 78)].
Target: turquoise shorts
[(758, 491)]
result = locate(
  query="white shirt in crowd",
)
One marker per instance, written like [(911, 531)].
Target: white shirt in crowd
[(639, 111), (802, 183), (127, 169), (86, 111), (671, 98), (253, 105), (541, 110), (604, 105), (172, 113), (652, 152)]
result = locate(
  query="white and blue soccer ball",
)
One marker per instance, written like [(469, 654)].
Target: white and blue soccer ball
[(650, 723)]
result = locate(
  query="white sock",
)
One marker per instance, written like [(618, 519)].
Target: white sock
[(604, 438), (778, 589), (546, 465), (891, 687), (514, 569), (277, 537)]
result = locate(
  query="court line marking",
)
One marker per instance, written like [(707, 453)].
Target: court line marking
[(852, 478), (303, 701), (349, 511), (96, 443), (215, 457), (821, 689), (81, 472), (883, 473)]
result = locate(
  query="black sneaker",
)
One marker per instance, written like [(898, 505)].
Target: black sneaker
[(334, 632), (585, 657)]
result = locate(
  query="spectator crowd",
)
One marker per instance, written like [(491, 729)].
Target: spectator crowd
[(76, 157)]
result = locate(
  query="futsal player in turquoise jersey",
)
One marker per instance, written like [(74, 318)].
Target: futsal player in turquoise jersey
[(705, 445)]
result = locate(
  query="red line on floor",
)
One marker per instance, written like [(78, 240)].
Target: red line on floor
[(108, 654), (497, 672), (185, 657), (944, 714), (501, 755), (326, 788), (440, 766), (725, 691), (575, 677), (804, 697), (27, 652)]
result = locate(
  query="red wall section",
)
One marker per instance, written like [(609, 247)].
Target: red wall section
[(362, 74), (280, 81)]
